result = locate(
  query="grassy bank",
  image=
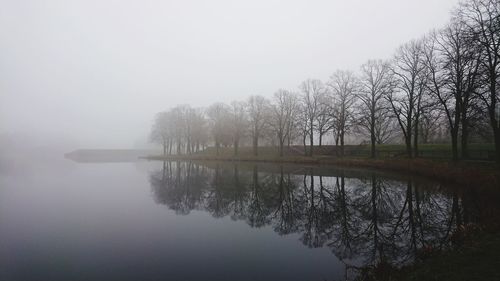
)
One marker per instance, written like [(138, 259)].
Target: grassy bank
[(484, 152), (475, 260), (472, 174), (479, 174)]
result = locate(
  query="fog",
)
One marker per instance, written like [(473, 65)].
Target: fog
[(94, 73)]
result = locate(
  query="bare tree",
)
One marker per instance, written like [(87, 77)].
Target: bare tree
[(462, 59), (161, 132), (376, 82), (218, 116), (431, 124), (452, 63), (294, 128), (199, 130), (324, 118), (312, 91), (302, 125), (238, 123), (178, 122), (405, 103), (482, 17), (257, 108), (283, 111), (343, 86), (188, 115)]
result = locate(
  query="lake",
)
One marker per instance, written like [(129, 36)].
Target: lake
[(218, 221)]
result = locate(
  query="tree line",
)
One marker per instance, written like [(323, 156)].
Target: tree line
[(442, 87)]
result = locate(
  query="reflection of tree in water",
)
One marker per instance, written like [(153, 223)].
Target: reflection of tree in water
[(364, 221), (180, 185)]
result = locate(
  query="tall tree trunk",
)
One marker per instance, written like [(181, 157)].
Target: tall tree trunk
[(304, 143), (255, 143), (311, 138), (342, 144), (337, 144), (372, 137), (495, 125), (409, 129), (496, 133), (408, 146), (493, 108), (454, 144), (418, 111), (415, 137), (464, 141), (281, 148)]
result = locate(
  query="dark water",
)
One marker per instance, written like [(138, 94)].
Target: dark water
[(216, 221)]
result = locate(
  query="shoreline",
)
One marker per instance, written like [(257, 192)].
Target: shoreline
[(472, 240), (477, 174)]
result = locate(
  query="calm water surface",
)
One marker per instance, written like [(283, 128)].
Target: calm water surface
[(216, 221)]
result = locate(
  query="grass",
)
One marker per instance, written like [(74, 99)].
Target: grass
[(431, 151), (477, 260), (469, 173)]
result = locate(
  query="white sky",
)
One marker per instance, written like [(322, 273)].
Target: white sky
[(98, 71)]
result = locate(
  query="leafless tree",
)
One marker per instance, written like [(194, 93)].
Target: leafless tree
[(283, 111), (178, 123), (302, 125), (405, 102), (376, 82), (199, 134), (482, 17), (161, 132), (294, 128), (312, 90), (452, 61), (218, 119), (343, 86), (188, 116), (432, 124), (324, 118), (257, 108), (238, 123)]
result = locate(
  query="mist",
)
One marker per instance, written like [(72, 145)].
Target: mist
[(94, 73), (249, 140)]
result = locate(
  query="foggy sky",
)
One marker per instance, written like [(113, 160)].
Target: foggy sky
[(96, 72)]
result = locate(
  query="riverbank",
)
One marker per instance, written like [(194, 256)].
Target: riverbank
[(476, 260), (476, 174)]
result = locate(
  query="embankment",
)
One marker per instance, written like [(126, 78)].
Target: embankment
[(467, 173)]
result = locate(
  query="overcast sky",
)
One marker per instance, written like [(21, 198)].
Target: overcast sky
[(97, 71)]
